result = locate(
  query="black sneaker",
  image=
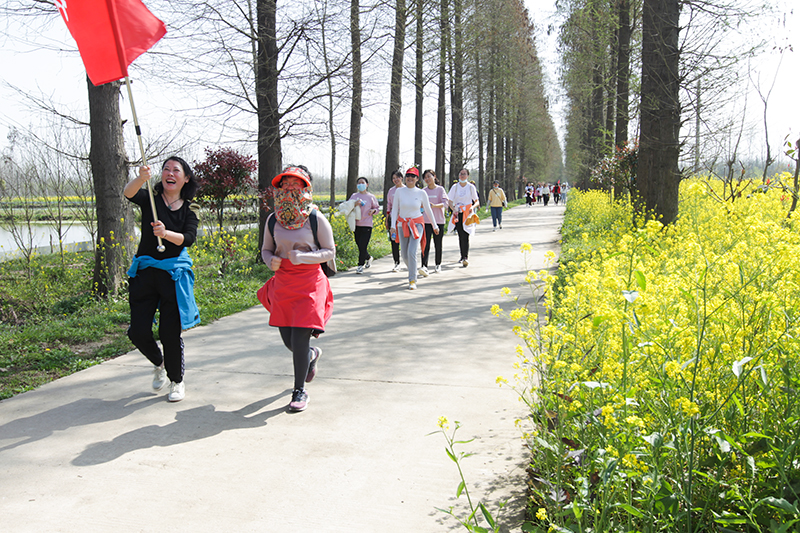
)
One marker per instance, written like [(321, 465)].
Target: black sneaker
[(299, 400), (312, 368)]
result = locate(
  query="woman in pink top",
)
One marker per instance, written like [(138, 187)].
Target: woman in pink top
[(438, 199), (363, 232), (298, 297)]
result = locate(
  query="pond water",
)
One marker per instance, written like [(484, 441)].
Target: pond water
[(44, 235)]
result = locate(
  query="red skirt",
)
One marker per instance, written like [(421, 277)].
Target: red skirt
[(298, 296)]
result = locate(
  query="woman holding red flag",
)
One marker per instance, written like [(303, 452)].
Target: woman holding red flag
[(164, 280), (298, 296), (407, 207)]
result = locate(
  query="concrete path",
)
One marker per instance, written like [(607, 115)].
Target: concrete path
[(99, 451)]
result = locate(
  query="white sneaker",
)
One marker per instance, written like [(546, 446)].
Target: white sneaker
[(438, 268), (412, 285), (360, 270), (177, 391), (396, 267), (368, 263), (159, 377), (423, 272)]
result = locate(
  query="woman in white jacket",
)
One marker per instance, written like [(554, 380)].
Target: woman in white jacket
[(407, 207), (463, 202)]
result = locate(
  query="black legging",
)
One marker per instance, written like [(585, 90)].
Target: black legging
[(463, 236), (362, 235), (298, 341), (437, 240), (152, 289)]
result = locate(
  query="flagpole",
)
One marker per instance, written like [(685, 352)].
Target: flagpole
[(160, 247)]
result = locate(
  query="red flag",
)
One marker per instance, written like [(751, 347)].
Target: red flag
[(110, 34)]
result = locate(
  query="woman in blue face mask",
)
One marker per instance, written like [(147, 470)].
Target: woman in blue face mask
[(363, 231)]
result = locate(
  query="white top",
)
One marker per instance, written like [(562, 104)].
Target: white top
[(463, 194), (410, 203)]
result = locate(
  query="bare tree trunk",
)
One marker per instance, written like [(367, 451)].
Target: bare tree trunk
[(697, 128), (479, 118), (331, 124), (596, 127), (658, 176), (796, 183), (499, 148), (623, 75), (517, 193), (507, 158), (623, 72), (516, 139), (110, 175), (441, 113), (610, 85), (457, 95), (491, 122), (355, 109), (269, 120), (395, 97), (419, 84)]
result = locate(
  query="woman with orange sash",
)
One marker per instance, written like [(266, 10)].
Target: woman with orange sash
[(298, 296), (407, 207), (464, 202)]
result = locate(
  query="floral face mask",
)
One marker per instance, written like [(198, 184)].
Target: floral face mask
[(292, 207)]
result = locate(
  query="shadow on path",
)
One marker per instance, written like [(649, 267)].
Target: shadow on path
[(81, 412), (190, 425)]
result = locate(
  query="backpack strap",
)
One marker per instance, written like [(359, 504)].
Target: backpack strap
[(271, 220), (312, 217)]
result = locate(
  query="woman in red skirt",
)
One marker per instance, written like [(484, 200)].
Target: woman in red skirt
[(298, 296)]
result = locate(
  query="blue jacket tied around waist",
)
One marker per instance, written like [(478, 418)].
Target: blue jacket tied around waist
[(180, 268)]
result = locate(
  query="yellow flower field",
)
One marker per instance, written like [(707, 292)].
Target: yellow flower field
[(664, 389)]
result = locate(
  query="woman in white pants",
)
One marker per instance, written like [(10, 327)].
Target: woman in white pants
[(407, 208)]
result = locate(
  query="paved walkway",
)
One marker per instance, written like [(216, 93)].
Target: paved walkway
[(99, 451)]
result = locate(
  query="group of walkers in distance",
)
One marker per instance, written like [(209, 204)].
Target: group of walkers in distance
[(541, 193), (298, 243), (415, 217)]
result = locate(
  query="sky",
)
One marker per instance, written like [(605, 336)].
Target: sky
[(48, 67)]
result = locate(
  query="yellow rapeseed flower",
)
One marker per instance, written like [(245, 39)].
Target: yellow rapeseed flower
[(518, 313), (672, 369)]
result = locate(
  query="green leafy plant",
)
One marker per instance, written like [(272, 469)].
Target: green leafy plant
[(472, 521)]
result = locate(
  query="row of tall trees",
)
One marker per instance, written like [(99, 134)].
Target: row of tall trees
[(480, 55), (261, 72), (640, 69)]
